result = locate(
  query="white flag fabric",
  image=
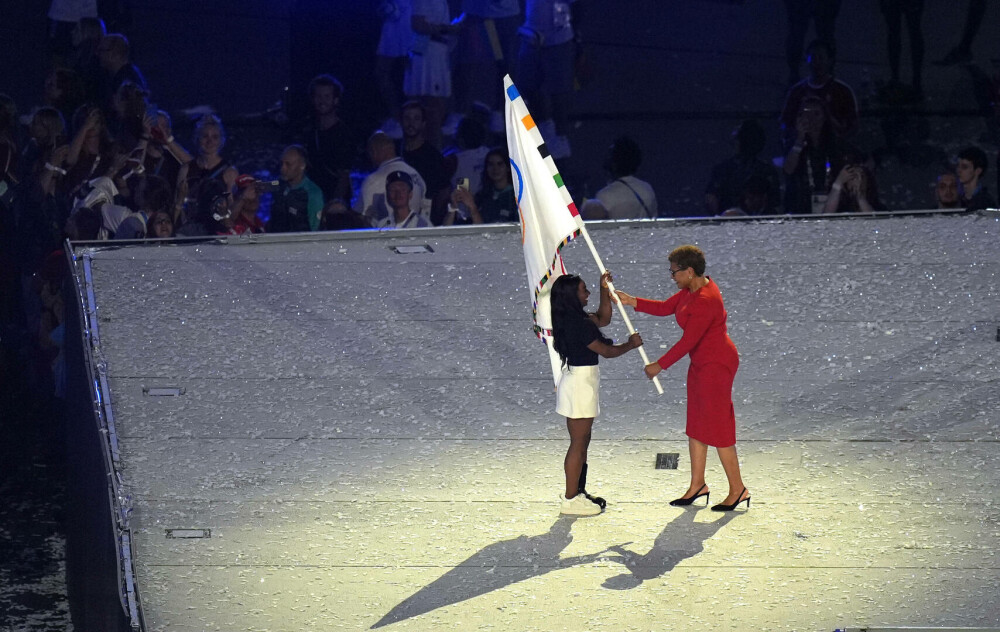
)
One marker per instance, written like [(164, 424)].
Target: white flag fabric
[(549, 218)]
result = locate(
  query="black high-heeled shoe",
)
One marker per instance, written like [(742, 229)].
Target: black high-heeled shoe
[(721, 507), (683, 502)]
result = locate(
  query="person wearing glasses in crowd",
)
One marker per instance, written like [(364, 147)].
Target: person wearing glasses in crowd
[(711, 419), (160, 225)]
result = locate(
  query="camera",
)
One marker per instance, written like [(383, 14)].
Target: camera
[(267, 186)]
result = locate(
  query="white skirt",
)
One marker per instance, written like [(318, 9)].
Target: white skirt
[(577, 393)]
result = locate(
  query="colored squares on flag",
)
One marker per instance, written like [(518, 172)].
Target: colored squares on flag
[(512, 93), (528, 122), (559, 180)]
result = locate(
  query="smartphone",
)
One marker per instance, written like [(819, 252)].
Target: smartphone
[(463, 183)]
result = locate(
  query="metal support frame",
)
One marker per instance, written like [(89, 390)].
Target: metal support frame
[(119, 499)]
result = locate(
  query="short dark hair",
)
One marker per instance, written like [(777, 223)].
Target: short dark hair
[(471, 133), (414, 105), (828, 46), (300, 150), (625, 157), (688, 257), (976, 156), (326, 80)]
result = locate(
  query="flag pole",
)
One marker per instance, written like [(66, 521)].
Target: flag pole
[(614, 297)]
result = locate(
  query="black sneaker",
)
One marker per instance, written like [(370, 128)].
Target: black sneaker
[(597, 500)]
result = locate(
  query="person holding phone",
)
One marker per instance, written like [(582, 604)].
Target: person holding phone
[(494, 202)]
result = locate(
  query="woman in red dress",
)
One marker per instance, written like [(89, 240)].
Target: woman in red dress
[(711, 419)]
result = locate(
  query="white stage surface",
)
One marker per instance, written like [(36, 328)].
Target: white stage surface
[(370, 437)]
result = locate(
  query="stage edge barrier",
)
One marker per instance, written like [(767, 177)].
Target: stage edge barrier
[(93, 447)]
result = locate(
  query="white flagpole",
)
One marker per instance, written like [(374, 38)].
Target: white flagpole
[(614, 297)]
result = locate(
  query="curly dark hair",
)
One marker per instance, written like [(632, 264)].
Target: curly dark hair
[(565, 304), (688, 257)]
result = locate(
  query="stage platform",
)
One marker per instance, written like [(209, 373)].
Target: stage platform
[(368, 437)]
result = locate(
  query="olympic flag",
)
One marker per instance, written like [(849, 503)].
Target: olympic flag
[(549, 218)]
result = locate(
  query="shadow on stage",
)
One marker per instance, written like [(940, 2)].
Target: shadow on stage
[(511, 561)]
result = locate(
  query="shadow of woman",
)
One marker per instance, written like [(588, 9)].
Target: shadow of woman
[(496, 566), (680, 539)]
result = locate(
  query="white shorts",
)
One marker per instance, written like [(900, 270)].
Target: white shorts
[(577, 393)]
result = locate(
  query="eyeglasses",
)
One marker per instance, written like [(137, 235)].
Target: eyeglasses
[(673, 272)]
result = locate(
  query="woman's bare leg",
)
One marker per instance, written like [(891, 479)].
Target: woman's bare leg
[(699, 454), (576, 455), (731, 464)]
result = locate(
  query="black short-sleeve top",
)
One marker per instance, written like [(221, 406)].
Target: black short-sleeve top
[(580, 332)]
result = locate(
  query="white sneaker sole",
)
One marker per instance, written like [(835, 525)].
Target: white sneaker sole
[(574, 512), (574, 509)]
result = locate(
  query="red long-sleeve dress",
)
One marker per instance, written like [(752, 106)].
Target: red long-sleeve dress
[(711, 418)]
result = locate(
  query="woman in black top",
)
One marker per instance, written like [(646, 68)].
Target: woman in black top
[(495, 200), (208, 164), (578, 340)]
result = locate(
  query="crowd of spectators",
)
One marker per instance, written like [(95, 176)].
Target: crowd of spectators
[(822, 168), (97, 159), (98, 128)]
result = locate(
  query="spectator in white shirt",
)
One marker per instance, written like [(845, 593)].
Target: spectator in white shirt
[(626, 197), (370, 200)]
